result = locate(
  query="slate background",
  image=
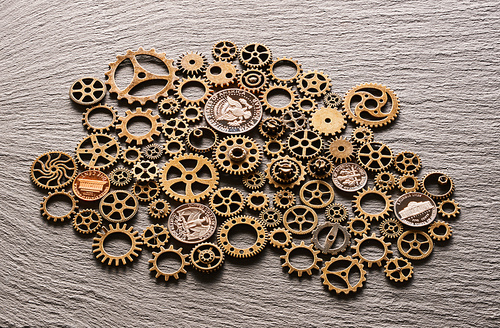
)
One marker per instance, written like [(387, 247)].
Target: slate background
[(441, 58)]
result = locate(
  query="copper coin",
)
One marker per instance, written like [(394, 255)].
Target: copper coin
[(91, 185), (233, 111), (415, 209), (349, 177), (192, 223)]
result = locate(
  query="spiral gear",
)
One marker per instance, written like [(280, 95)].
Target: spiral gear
[(336, 212), (155, 236), (199, 82), (407, 162), (314, 83), (87, 221), (192, 63), (284, 199), (159, 209), (408, 183), (358, 198), (358, 232), (94, 129), (130, 255), (341, 150), (169, 106), (343, 274), (438, 225), (442, 208), (120, 177), (398, 269), (391, 228), (274, 89), (255, 55), (362, 135), (238, 154), (443, 181), (285, 62), (227, 202), (167, 275), (58, 194), (98, 151), (385, 180), (257, 200), (285, 172), (206, 257), (372, 238), (153, 151), (53, 170), (221, 73), (224, 50), (300, 271), (231, 250), (154, 131), (327, 121), (278, 243), (254, 180)]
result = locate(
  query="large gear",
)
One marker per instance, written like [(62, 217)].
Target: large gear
[(317, 194), (146, 191), (411, 246), (253, 80), (54, 195), (327, 121), (87, 91), (372, 238), (255, 55), (285, 62), (314, 83), (407, 162), (304, 144), (231, 250), (441, 181), (227, 202), (362, 135), (159, 209), (354, 223), (327, 244), (192, 63), (166, 275), (284, 199), (300, 219), (319, 167), (118, 206), (280, 238), (257, 200), (120, 177), (434, 228), (98, 151), (272, 90), (123, 126), (391, 228), (448, 208), (254, 180), (343, 274), (398, 269), (224, 50), (238, 154), (221, 73), (201, 139), (155, 236), (53, 170), (285, 172), (95, 129), (358, 200), (87, 221), (133, 252), (336, 212), (169, 106), (341, 150), (385, 180), (206, 257), (375, 156), (301, 271), (194, 81)]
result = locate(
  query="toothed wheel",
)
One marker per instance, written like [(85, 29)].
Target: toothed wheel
[(336, 212), (224, 50), (155, 236), (375, 156), (99, 242), (221, 73), (87, 91), (153, 152), (248, 221), (206, 257), (98, 151), (123, 126), (254, 180), (169, 106), (398, 269), (159, 209), (391, 228), (184, 262), (87, 221), (227, 202), (285, 78), (100, 129), (341, 268), (238, 154), (120, 177), (273, 90), (407, 162), (255, 55), (194, 82), (332, 99), (69, 198), (53, 170), (372, 239), (314, 83), (370, 214), (192, 63), (327, 121), (300, 271)]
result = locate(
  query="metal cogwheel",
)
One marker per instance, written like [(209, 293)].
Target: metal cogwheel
[(370, 215), (87, 221), (415, 244), (254, 180), (155, 236), (270, 217), (272, 127), (227, 202), (374, 239), (175, 273), (192, 63), (53, 170), (353, 225), (436, 226), (327, 244), (237, 154), (362, 135), (197, 82), (348, 263), (257, 200), (375, 156), (280, 238), (285, 78), (327, 121), (98, 151), (159, 209), (341, 150), (99, 242), (285, 172), (314, 83), (169, 106), (304, 144), (68, 196), (301, 271), (146, 191), (95, 129), (398, 269), (201, 139), (231, 250), (224, 50), (272, 90), (253, 80), (300, 219), (407, 162), (319, 167), (440, 180), (391, 228), (294, 119), (145, 170), (284, 199), (131, 155), (173, 147), (120, 177), (336, 213), (385, 180), (448, 208), (274, 147), (317, 194), (206, 257), (408, 183), (154, 122), (307, 105), (332, 99), (191, 114), (118, 206), (255, 55), (87, 91), (141, 75), (221, 73), (153, 151)]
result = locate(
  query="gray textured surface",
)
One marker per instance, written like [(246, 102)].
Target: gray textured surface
[(440, 57)]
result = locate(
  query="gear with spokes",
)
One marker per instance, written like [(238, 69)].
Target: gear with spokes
[(341, 267)]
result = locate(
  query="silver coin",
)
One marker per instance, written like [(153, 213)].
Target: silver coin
[(192, 223), (349, 177), (233, 111), (415, 209)]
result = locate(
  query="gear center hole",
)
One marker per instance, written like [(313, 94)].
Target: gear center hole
[(285, 70), (168, 262), (139, 126), (242, 236), (279, 98), (301, 258), (117, 244), (59, 205), (371, 250), (373, 204), (215, 70)]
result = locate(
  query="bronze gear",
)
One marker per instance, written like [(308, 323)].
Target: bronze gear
[(87, 221), (391, 228), (361, 135), (254, 180), (257, 247), (169, 106), (201, 139), (304, 144), (257, 200), (385, 180), (301, 271), (255, 55), (407, 162), (336, 213), (314, 83), (375, 156), (206, 257), (87, 91), (146, 191), (358, 198), (141, 75), (178, 171), (159, 209), (227, 202), (224, 50), (237, 154), (253, 80), (59, 194), (319, 167), (131, 155), (272, 127), (332, 99), (153, 151), (173, 147), (285, 172), (130, 255), (444, 212), (155, 236), (154, 121), (341, 150), (443, 181), (300, 219), (437, 225), (167, 275), (317, 194), (192, 63), (373, 238), (294, 119), (120, 177), (398, 269), (285, 62), (284, 199), (343, 275), (275, 89), (118, 206), (274, 147), (327, 121), (408, 183), (191, 114), (98, 151), (53, 170), (274, 241), (371, 105), (145, 170), (94, 129), (198, 81), (174, 128), (270, 217), (358, 232), (221, 73), (326, 246), (410, 246), (307, 105)]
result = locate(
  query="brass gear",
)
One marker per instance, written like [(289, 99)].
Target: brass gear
[(58, 194), (317, 194), (375, 156), (53, 170), (307, 105), (274, 241), (274, 147), (254, 180), (398, 269), (444, 182), (169, 106), (98, 151), (326, 245), (314, 83), (336, 213), (254, 204), (284, 199), (341, 150), (118, 206), (437, 225), (332, 99), (191, 114), (294, 119), (407, 162), (192, 63), (190, 81), (270, 217), (145, 170), (155, 236), (206, 257), (285, 62), (153, 151), (301, 271), (87, 221), (444, 212), (146, 191), (391, 228), (358, 232), (319, 167), (224, 50), (253, 80), (372, 238), (300, 219), (358, 198), (403, 183), (201, 139), (133, 252), (227, 202), (410, 246), (304, 144), (327, 121), (131, 155), (285, 172), (231, 250), (173, 147), (385, 180), (87, 91), (221, 73), (237, 154), (175, 273), (255, 55), (272, 127), (343, 274), (274, 89), (141, 75), (362, 135), (120, 177), (94, 129), (154, 121), (159, 209)]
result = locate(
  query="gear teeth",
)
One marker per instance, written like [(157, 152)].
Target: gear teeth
[(234, 193), (92, 214), (133, 252), (305, 89), (156, 212), (254, 223), (437, 224), (254, 206), (399, 269), (92, 129), (299, 271), (194, 102), (104, 166), (283, 88), (223, 155), (62, 218), (168, 275), (448, 215), (198, 68), (154, 131), (229, 55), (356, 204), (207, 267), (49, 162), (261, 63), (363, 259), (440, 196), (328, 121), (290, 80), (276, 242)]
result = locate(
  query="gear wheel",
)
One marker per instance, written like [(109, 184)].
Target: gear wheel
[(145, 170), (307, 105), (253, 80), (87, 91), (194, 82), (54, 195), (443, 208), (362, 135), (341, 150), (391, 228), (375, 156), (93, 129), (173, 147), (289, 78), (146, 191), (169, 106), (276, 241), (53, 170), (206, 257), (166, 275), (272, 128), (225, 50), (120, 177), (353, 224), (257, 200), (304, 144), (153, 151), (407, 162), (375, 239), (294, 119), (131, 155), (191, 114), (314, 83), (317, 194), (201, 139), (437, 226), (192, 63), (238, 154), (343, 274), (398, 269), (141, 75), (270, 217), (87, 221), (284, 199), (274, 148), (336, 212), (221, 73), (411, 246), (369, 215), (254, 180), (320, 167), (327, 121), (227, 202), (133, 252), (154, 121), (159, 209), (332, 99), (231, 250), (98, 151), (118, 206), (285, 172), (278, 89), (300, 219), (155, 236), (327, 244), (408, 183), (255, 55), (301, 271), (442, 181), (385, 181)]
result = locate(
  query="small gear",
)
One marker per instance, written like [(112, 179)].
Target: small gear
[(285, 172), (362, 135), (87, 91), (145, 170), (224, 50), (197, 82), (231, 250), (398, 269), (280, 89), (59, 194), (317, 194), (391, 228), (440, 181), (332, 99), (206, 257), (448, 208), (253, 80), (301, 271), (336, 212), (99, 241), (159, 209), (304, 144), (285, 78), (407, 162), (255, 55), (284, 199), (192, 63), (319, 167), (327, 244), (98, 151), (118, 206), (154, 122), (341, 150), (327, 121), (169, 106), (120, 177), (221, 73), (314, 83), (191, 114), (272, 127), (227, 202), (257, 200), (87, 221), (374, 239), (238, 154), (370, 215), (307, 105), (294, 119), (280, 238), (201, 139), (131, 155), (270, 217), (146, 191), (440, 225), (300, 219), (415, 244), (53, 170), (385, 180), (173, 147), (408, 183), (254, 180), (358, 226), (94, 129), (274, 148), (153, 151), (344, 274), (167, 275), (155, 236), (375, 156)]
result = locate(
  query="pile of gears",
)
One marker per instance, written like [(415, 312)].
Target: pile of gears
[(238, 130)]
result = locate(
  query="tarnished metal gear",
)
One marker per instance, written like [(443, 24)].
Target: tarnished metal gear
[(153, 151), (385, 180), (300, 219), (362, 135), (98, 151), (284, 199), (285, 78), (120, 177), (440, 225), (371, 105), (59, 194), (224, 50), (353, 225), (99, 241), (319, 167), (103, 108), (146, 191), (415, 244), (131, 155), (206, 257), (280, 238), (343, 274), (448, 208), (118, 206), (327, 121), (53, 170), (248, 221), (398, 269), (138, 115), (304, 144), (391, 228), (87, 221), (370, 192), (227, 202), (173, 147), (327, 244), (272, 127), (408, 183), (197, 82), (314, 83), (155, 236), (141, 75), (374, 239), (201, 139), (175, 128), (159, 209), (440, 181), (254, 180), (184, 262), (341, 150), (278, 89), (169, 106), (270, 217), (145, 170), (285, 172), (332, 99), (257, 200), (274, 147), (407, 162), (192, 63), (375, 156), (294, 119), (189, 170), (255, 55), (221, 73), (191, 114), (253, 80), (87, 91), (317, 194), (300, 271), (237, 154), (307, 105), (336, 212)]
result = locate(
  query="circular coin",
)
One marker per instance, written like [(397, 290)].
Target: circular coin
[(415, 209), (349, 177), (192, 223), (233, 111), (91, 185)]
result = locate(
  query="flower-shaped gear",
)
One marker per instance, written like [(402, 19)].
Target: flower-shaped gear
[(206, 257), (391, 228), (141, 75), (255, 55), (253, 80), (294, 119), (332, 99), (191, 114), (285, 172), (68, 196), (284, 199), (192, 63), (314, 83), (300, 219), (280, 238), (415, 244), (145, 170), (274, 147), (319, 167), (166, 275), (169, 106), (257, 200), (398, 269), (87, 221), (99, 241), (238, 154), (304, 144), (120, 177), (408, 183), (448, 208), (118, 206), (154, 122), (153, 151), (272, 127), (98, 151), (287, 78), (336, 212), (272, 90), (221, 73), (159, 209), (385, 180), (194, 82), (341, 150), (407, 162), (201, 139), (362, 135), (231, 250), (131, 155), (369, 215), (317, 194), (270, 217), (224, 50), (358, 226), (87, 91), (94, 129), (375, 156), (146, 191), (155, 236), (440, 180), (53, 170), (438, 225), (173, 147), (327, 244), (254, 180), (373, 238), (227, 202), (307, 105), (327, 121), (300, 271), (343, 274)]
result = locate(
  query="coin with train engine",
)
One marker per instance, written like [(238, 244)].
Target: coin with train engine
[(91, 185), (415, 209), (192, 223), (349, 177)]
